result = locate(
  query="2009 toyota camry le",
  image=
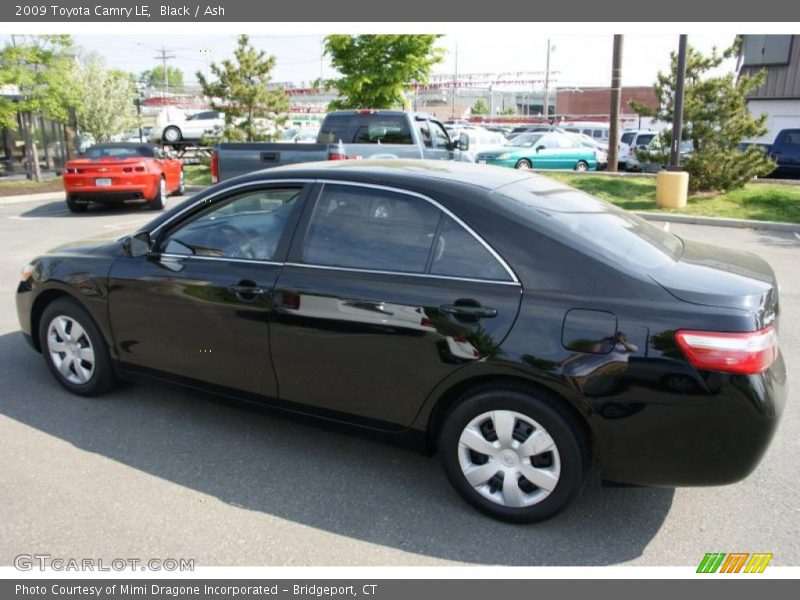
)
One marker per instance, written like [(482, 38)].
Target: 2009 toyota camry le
[(523, 329)]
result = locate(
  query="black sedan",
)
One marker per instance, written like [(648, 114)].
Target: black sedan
[(523, 329)]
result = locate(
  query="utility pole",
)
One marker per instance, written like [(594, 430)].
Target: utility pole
[(616, 92), (163, 56), (546, 111), (677, 119), (206, 52), (455, 83)]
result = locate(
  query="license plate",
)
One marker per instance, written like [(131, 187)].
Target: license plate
[(103, 182)]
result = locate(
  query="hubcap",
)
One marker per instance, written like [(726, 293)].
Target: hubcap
[(509, 458), (70, 349), (163, 189), (523, 166)]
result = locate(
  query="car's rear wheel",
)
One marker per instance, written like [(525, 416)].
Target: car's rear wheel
[(582, 166), (76, 206), (160, 200), (523, 165), (514, 453), (74, 348), (181, 185), (171, 134)]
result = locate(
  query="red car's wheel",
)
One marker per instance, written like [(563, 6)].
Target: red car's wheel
[(160, 200)]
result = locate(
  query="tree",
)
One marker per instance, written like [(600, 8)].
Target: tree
[(715, 119), (108, 100), (154, 78), (377, 70), (509, 110), (41, 68), (253, 110), (480, 107)]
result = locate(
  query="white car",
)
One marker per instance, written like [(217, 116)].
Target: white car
[(481, 139), (629, 142), (193, 128)]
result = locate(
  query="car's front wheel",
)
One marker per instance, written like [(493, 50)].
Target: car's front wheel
[(514, 453), (171, 135), (74, 348), (181, 185), (523, 165)]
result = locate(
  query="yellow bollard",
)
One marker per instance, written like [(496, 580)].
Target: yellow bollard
[(672, 188)]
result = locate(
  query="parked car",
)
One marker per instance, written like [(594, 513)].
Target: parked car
[(305, 136), (599, 148), (785, 151), (481, 139), (485, 313), (192, 128), (505, 131), (630, 143), (348, 134), (541, 151), (122, 172)]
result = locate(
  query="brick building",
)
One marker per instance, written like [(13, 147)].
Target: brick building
[(596, 101)]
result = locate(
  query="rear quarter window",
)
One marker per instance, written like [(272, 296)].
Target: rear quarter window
[(585, 221)]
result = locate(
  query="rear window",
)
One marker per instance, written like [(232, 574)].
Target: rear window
[(600, 227), (365, 129), (120, 151), (627, 137)]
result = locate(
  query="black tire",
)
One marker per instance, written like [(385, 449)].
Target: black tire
[(160, 200), (181, 185), (572, 450), (75, 206), (102, 374), (171, 135), (582, 165), (523, 164)]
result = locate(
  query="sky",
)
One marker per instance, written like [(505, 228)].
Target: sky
[(576, 60)]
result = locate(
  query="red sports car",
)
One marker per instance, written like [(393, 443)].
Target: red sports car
[(120, 172)]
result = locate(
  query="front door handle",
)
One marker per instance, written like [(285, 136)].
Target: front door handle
[(469, 311)]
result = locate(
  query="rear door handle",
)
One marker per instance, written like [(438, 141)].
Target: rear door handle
[(469, 311)]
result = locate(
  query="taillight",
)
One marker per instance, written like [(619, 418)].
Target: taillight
[(214, 167), (749, 353), (332, 155)]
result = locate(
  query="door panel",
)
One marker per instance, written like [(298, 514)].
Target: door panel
[(182, 315), (375, 345), (199, 306)]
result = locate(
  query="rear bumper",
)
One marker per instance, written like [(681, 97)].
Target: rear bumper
[(693, 443), (143, 187)]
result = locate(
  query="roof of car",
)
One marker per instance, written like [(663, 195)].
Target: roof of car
[(405, 170)]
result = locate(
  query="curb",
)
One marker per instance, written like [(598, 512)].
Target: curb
[(20, 198), (720, 222)]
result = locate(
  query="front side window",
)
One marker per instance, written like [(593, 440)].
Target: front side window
[(367, 228), (440, 136), (247, 226), (425, 134)]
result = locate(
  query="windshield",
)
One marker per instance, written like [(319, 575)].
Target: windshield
[(525, 140), (101, 151), (604, 229)]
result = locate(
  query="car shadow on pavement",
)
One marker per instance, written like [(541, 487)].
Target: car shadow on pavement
[(339, 483)]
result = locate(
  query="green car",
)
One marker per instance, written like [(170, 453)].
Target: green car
[(541, 150)]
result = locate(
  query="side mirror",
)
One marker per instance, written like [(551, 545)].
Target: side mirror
[(539, 148), (137, 245), (463, 142)]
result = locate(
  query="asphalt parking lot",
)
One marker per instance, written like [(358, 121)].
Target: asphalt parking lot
[(153, 472)]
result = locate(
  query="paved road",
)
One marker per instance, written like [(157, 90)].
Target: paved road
[(150, 471)]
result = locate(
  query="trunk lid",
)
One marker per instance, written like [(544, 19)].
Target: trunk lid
[(713, 276)]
